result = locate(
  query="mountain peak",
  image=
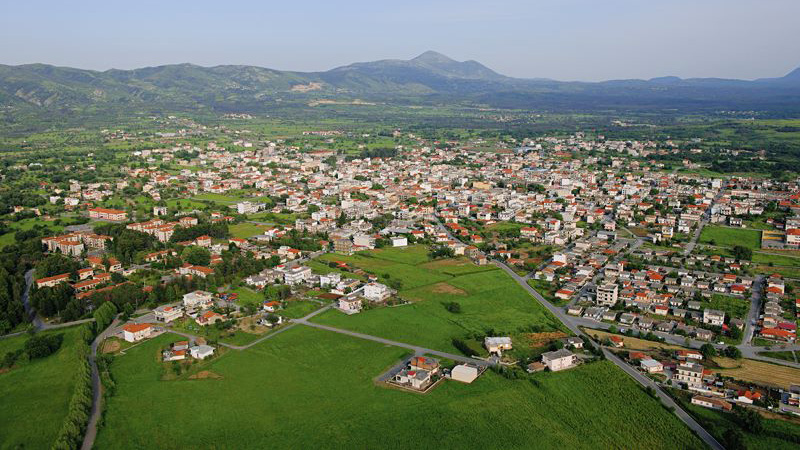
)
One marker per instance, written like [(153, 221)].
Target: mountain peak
[(432, 57), (793, 75)]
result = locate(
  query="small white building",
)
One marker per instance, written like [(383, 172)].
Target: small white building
[(134, 332), (651, 366), (400, 241), (464, 373), (201, 351)]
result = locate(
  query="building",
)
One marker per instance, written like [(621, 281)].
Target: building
[(134, 332), (52, 281), (209, 318), (464, 373), (296, 274), (651, 366), (424, 363), (415, 379), (198, 299), (201, 351), (343, 246), (166, 313), (107, 214), (690, 373), (376, 292), (713, 317), (607, 294), (710, 402), (496, 345), (559, 360), (399, 241), (349, 305)]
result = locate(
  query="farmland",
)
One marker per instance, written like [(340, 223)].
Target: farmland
[(733, 306), (256, 398), (758, 372), (730, 237), (490, 301), (36, 393)]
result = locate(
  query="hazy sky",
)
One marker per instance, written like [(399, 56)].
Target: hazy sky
[(560, 39)]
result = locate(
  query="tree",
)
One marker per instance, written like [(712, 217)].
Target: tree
[(708, 351), (453, 307), (742, 253), (734, 439), (749, 419), (197, 256), (732, 352)]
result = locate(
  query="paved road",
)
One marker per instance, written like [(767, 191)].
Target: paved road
[(667, 400), (755, 308), (704, 219), (97, 388)]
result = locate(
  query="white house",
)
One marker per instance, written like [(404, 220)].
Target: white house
[(296, 275), (349, 305), (559, 359), (201, 351), (198, 299), (167, 313), (330, 280), (134, 332), (497, 344), (376, 292), (651, 366)]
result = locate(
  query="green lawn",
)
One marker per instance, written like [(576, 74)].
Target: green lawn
[(782, 355), (296, 309), (547, 290), (248, 295), (35, 395), (309, 388), (245, 230), (729, 237), (733, 306)]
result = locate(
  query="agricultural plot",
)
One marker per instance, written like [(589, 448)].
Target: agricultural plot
[(309, 388), (36, 393), (245, 230), (730, 237), (758, 372)]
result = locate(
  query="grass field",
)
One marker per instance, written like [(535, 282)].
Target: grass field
[(35, 395), (547, 290), (310, 388), (730, 237), (245, 230), (733, 306), (783, 355), (759, 372)]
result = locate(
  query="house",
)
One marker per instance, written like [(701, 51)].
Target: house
[(376, 292), (271, 306), (349, 305), (713, 317), (496, 345), (559, 360), (574, 342), (464, 373), (167, 313), (616, 341), (52, 281), (201, 351), (424, 363), (690, 373), (134, 332), (651, 366), (416, 379), (711, 402), (209, 318), (689, 355), (198, 299), (748, 397), (777, 334), (173, 355)]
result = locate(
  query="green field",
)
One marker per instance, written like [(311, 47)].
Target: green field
[(245, 230), (489, 299), (310, 388), (733, 306), (730, 237), (36, 394)]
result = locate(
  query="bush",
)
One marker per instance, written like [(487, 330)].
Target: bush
[(43, 346), (453, 307)]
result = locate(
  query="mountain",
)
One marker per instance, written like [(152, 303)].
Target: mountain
[(430, 78)]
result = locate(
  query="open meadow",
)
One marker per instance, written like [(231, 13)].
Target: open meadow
[(309, 388), (730, 237), (490, 301), (35, 394)]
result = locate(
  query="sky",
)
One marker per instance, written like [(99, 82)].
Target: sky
[(587, 40)]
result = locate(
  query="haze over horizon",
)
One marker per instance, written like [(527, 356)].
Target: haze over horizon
[(567, 40)]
